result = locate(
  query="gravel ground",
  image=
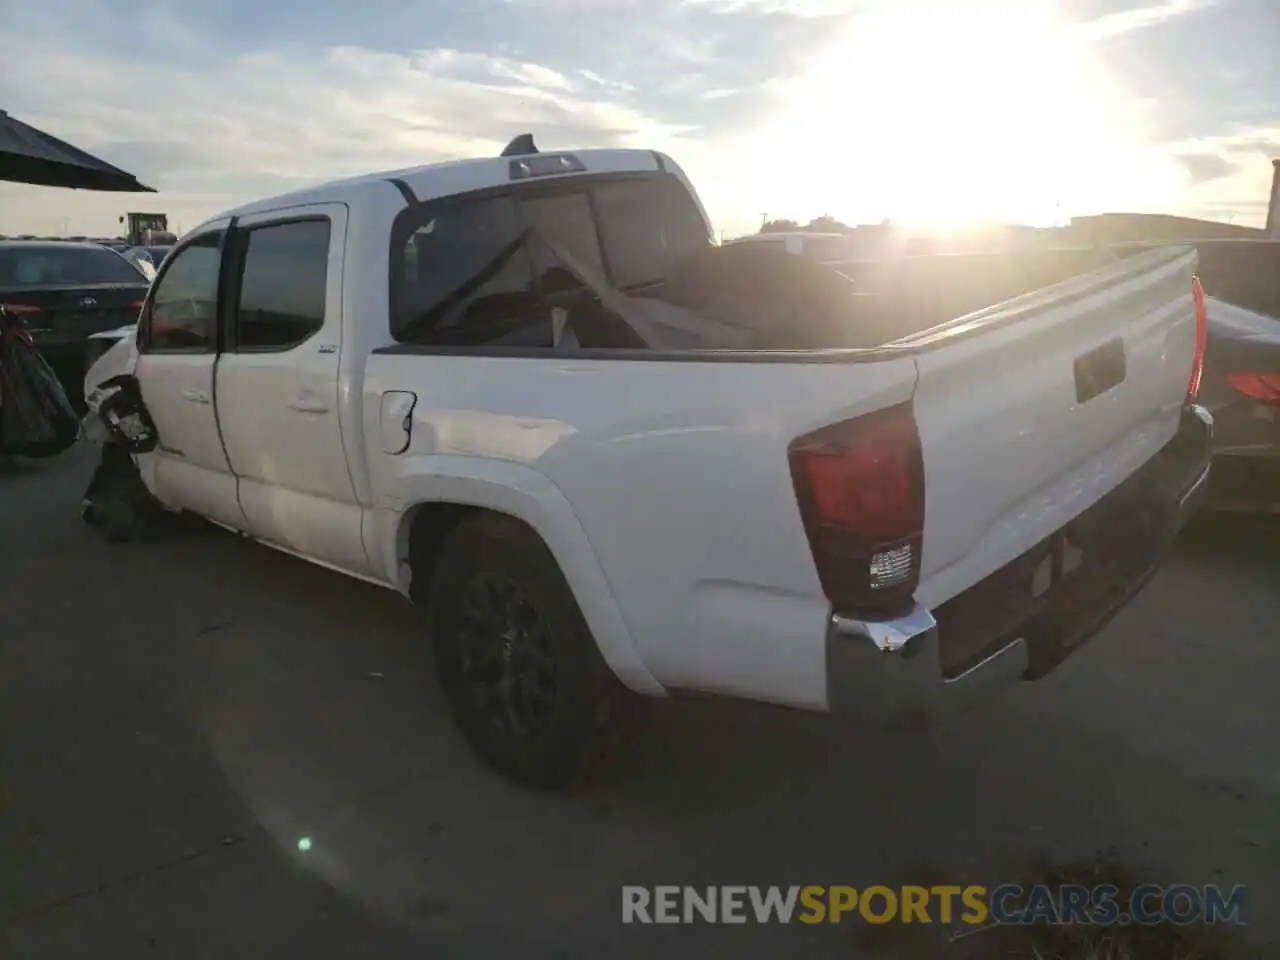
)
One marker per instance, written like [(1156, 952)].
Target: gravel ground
[(179, 717)]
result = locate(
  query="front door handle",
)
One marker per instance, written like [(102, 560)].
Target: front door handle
[(308, 403), (195, 396)]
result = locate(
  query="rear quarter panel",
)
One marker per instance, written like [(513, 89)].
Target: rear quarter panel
[(677, 472)]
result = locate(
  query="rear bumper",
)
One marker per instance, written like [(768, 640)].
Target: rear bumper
[(1010, 627), (893, 671)]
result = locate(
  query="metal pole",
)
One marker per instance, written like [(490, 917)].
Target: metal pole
[(1273, 205)]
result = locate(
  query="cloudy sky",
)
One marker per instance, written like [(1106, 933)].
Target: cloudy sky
[(928, 110)]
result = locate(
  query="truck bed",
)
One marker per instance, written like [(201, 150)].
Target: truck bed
[(1028, 413), (793, 303)]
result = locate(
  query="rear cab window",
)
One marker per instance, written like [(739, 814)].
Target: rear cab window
[(464, 273)]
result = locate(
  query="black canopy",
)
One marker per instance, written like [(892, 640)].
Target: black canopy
[(28, 155)]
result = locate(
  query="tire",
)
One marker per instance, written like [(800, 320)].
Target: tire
[(118, 503), (535, 700)]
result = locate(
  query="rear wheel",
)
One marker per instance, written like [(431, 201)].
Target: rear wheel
[(517, 663)]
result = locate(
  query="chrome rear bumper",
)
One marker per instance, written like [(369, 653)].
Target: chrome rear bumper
[(892, 670)]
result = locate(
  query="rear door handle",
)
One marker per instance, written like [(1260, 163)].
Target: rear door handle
[(195, 396), (308, 403)]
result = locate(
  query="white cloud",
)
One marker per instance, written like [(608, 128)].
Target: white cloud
[(267, 122), (1139, 18), (212, 130), (1141, 15), (1242, 188), (570, 5), (617, 85), (796, 8)]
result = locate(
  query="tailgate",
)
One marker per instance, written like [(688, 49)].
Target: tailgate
[(1031, 411)]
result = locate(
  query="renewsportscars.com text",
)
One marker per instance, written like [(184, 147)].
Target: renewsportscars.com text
[(947, 904)]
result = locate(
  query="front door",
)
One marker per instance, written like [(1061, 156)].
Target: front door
[(177, 352), (277, 382)]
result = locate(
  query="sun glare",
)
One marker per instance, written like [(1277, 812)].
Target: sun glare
[(947, 114)]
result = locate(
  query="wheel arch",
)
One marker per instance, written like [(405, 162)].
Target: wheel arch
[(438, 492)]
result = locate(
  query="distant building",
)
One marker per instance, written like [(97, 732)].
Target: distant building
[(1108, 228), (1101, 230)]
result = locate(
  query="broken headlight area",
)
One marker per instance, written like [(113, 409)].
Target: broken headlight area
[(118, 414)]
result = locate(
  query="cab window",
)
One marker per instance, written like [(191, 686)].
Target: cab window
[(283, 281), (183, 315)]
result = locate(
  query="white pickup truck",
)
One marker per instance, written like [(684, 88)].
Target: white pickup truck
[(608, 457)]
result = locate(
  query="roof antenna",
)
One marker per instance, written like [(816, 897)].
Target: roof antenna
[(521, 146)]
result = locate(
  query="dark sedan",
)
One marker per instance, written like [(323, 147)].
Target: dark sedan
[(1241, 380), (1241, 383), (1241, 387), (62, 292)]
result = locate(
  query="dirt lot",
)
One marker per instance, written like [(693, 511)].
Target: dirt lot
[(180, 719)]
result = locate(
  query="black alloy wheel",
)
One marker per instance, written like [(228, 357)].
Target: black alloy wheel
[(507, 659), (517, 663)]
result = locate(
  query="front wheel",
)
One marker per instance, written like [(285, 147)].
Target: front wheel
[(515, 659), (117, 502)]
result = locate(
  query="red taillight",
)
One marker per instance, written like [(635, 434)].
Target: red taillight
[(1202, 338), (860, 487), (19, 309), (1263, 387)]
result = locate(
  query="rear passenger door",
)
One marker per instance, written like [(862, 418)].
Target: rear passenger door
[(277, 384)]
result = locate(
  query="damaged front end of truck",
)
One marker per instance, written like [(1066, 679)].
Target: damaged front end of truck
[(117, 501)]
